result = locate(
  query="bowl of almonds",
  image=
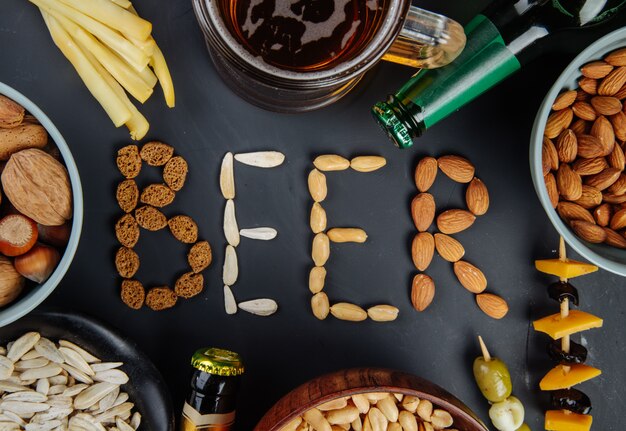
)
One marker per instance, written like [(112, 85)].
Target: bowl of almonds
[(369, 399), (577, 153), (41, 210)]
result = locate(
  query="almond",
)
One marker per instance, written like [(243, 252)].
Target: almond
[(618, 221), (617, 58), (492, 305), (580, 127), (589, 85), (422, 250), (470, 277), (621, 94), (11, 113), (317, 185), (454, 221), (602, 215), (603, 130), (604, 179), (619, 125), (619, 186), (613, 82), (557, 122), (422, 291), (614, 239), (616, 158), (589, 147), (590, 166), (550, 157), (477, 197), (367, 163), (571, 211), (581, 95), (596, 69), (423, 211), (567, 146), (331, 162), (590, 198), (606, 105), (425, 173), (457, 168), (610, 198), (564, 100), (569, 183), (449, 248), (553, 191), (584, 111), (588, 231), (349, 312)]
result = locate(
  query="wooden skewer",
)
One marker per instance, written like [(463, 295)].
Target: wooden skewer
[(483, 347), (565, 341)]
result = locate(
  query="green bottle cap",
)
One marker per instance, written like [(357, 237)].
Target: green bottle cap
[(216, 361)]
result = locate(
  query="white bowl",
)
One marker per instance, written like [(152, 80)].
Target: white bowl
[(36, 295), (609, 258)]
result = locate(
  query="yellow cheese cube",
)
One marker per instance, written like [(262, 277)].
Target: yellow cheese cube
[(564, 268), (557, 378), (563, 420), (558, 327)]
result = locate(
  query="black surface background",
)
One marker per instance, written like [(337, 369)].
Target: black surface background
[(285, 350)]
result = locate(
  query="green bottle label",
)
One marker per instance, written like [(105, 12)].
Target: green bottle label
[(485, 62)]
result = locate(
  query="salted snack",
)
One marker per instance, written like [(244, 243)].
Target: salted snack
[(151, 218), (571, 407), (374, 411), (320, 247), (59, 385), (494, 381)]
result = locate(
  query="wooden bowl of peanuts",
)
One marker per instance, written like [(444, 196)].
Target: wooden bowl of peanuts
[(369, 399)]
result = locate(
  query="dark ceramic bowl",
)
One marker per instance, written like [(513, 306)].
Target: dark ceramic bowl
[(363, 380), (146, 387)]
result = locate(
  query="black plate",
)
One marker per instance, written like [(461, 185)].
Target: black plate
[(146, 389)]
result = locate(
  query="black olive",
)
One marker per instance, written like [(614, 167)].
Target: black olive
[(577, 353), (562, 290), (572, 400)]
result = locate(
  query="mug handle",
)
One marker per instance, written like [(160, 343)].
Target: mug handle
[(427, 40)]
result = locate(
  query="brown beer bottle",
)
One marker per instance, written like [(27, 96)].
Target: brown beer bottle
[(210, 405)]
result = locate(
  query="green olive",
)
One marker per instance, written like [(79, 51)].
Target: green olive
[(524, 427), (493, 379)]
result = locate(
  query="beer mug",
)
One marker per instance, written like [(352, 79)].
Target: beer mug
[(300, 55)]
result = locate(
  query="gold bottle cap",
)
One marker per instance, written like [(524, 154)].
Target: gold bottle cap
[(216, 361)]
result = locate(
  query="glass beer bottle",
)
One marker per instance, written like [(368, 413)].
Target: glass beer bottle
[(499, 41), (210, 405)]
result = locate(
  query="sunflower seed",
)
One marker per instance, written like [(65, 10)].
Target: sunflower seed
[(227, 177), (9, 426), (260, 307), (230, 304), (59, 401), (72, 391), (21, 407), (103, 366), (43, 386), (60, 379), (85, 354), (79, 424), (31, 363), (7, 386), (261, 159), (49, 370), (231, 230), (43, 426), (74, 359), (48, 350), (121, 398), (107, 402), (26, 396), (114, 376), (77, 374), (12, 417), (93, 394), (119, 410), (22, 345), (32, 354), (135, 421), (6, 367), (260, 233), (52, 413), (231, 268), (123, 426), (57, 389), (3, 351)]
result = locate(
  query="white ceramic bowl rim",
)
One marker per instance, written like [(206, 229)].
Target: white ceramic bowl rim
[(609, 258), (28, 301)]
